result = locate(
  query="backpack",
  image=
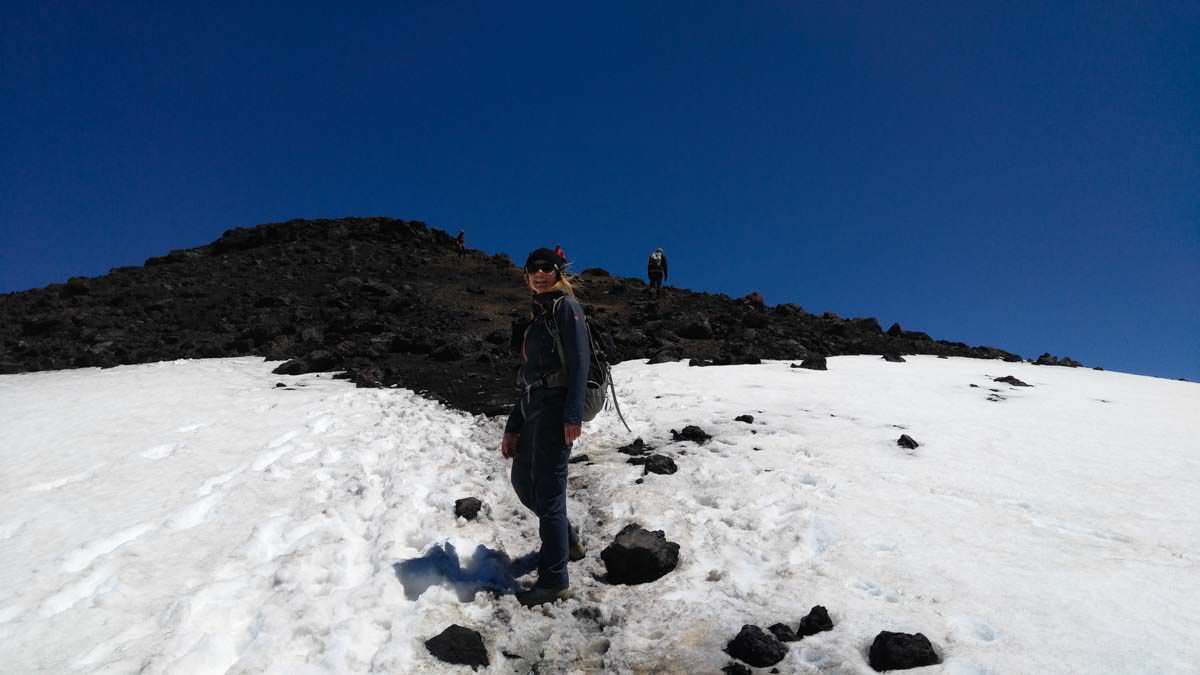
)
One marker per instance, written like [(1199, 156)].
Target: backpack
[(599, 378)]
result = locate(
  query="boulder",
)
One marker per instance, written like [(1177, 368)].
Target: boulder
[(893, 358), (696, 328), (817, 621), (639, 556), (660, 464), (756, 647), (784, 633), (748, 419), (691, 433), (905, 441), (813, 363), (1009, 379), (467, 507), (899, 651), (460, 646)]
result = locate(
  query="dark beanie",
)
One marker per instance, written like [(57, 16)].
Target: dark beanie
[(544, 255)]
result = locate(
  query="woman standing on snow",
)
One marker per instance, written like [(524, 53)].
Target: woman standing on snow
[(555, 355)]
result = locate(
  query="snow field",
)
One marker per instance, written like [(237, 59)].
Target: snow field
[(191, 517)]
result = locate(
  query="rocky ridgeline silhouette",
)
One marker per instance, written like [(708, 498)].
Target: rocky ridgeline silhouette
[(390, 302)]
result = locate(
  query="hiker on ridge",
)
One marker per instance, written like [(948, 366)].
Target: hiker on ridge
[(461, 244), (656, 270), (548, 418)]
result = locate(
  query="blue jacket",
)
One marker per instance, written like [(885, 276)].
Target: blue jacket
[(539, 355)]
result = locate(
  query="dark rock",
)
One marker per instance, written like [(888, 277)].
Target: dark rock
[(893, 358), (460, 646), (660, 464), (637, 447), (1009, 379), (756, 647), (467, 507), (736, 669), (594, 272), (1047, 359), (447, 352), (907, 442), (748, 419), (813, 363), (697, 328), (817, 621), (691, 433), (664, 356), (639, 556), (577, 459), (783, 633), (895, 330), (700, 363), (899, 651), (292, 367)]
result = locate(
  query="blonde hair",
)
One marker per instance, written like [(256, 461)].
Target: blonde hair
[(564, 283)]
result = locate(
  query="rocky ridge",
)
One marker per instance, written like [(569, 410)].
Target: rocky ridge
[(390, 302)]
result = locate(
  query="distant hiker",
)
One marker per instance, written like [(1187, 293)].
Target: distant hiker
[(656, 270), (754, 299), (558, 251), (461, 243), (548, 417)]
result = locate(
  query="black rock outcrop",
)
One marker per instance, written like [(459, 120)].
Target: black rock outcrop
[(390, 303)]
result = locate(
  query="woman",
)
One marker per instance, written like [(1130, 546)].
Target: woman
[(555, 355)]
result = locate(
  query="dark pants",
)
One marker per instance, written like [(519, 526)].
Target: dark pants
[(656, 282), (539, 475)]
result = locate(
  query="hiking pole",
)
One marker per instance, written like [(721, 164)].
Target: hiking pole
[(616, 404)]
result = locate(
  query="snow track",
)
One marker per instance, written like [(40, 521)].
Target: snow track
[(191, 517)]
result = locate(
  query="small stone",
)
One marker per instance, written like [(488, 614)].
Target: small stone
[(576, 459), (691, 433), (748, 419), (467, 507), (907, 442), (813, 363), (660, 464), (637, 447), (893, 358), (783, 633), (817, 621)]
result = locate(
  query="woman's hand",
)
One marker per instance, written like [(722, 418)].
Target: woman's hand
[(508, 446), (571, 433)]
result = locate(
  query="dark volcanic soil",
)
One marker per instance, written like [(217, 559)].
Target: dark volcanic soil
[(389, 302)]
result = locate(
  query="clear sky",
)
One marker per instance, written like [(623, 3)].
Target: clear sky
[(1019, 174)]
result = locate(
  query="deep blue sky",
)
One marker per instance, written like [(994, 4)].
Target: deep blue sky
[(1019, 174)]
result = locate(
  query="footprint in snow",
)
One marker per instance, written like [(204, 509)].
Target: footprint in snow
[(194, 513), (159, 451), (872, 589), (191, 428), (95, 584), (969, 629), (64, 481), (82, 557)]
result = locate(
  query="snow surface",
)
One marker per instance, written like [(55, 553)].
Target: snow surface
[(190, 517)]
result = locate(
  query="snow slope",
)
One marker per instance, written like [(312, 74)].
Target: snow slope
[(190, 517)]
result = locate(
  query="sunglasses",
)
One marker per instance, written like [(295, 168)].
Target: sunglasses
[(541, 267)]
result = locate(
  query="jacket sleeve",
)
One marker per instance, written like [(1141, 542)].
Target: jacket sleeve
[(577, 355), (664, 259)]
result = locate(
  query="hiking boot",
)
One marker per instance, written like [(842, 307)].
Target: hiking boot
[(576, 553), (539, 595)]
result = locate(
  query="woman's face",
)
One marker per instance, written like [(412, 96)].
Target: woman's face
[(541, 277)]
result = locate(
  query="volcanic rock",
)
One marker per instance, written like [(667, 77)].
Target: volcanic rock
[(905, 441), (813, 363), (899, 651), (467, 507), (639, 556), (748, 419), (1009, 379), (391, 299), (783, 633), (691, 433), (660, 464), (817, 621), (460, 646), (893, 358), (736, 669), (1047, 359), (637, 447), (756, 647)]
